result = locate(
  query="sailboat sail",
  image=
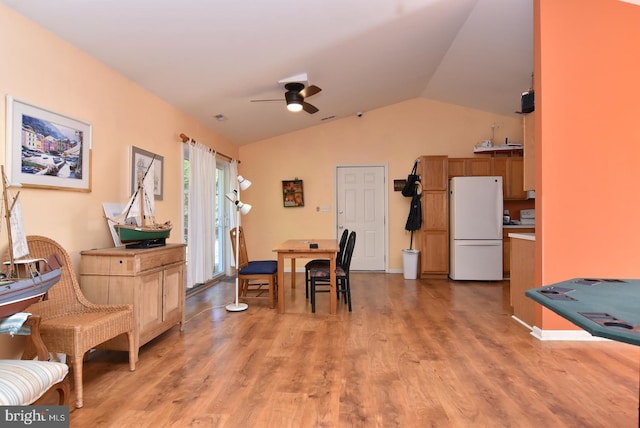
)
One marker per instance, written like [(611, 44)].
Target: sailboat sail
[(18, 236), (132, 210)]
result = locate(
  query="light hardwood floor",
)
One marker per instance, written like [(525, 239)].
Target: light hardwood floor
[(413, 353)]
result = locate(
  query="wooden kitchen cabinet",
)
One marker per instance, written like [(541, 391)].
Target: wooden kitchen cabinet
[(506, 247), (522, 279), (434, 172), (152, 280), (511, 169), (464, 167), (529, 147), (434, 235)]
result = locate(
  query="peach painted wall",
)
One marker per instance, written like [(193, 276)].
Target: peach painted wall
[(44, 70), (393, 136), (40, 68), (587, 141)]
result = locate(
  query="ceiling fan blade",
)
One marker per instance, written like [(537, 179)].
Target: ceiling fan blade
[(309, 91), (262, 101), (309, 108)]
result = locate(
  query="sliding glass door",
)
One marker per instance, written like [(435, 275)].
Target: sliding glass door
[(220, 220)]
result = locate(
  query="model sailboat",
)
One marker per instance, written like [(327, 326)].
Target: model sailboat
[(25, 280), (136, 225)]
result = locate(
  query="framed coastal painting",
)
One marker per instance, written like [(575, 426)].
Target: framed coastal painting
[(292, 193), (140, 161), (47, 149)]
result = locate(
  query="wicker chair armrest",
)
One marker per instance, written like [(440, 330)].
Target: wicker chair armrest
[(91, 307)]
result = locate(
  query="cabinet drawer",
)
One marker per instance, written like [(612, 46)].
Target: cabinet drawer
[(130, 262), (157, 259)]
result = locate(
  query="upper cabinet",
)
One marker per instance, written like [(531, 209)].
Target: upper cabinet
[(511, 171), (461, 167), (528, 126), (433, 172)]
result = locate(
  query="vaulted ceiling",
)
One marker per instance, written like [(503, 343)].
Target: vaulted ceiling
[(210, 58)]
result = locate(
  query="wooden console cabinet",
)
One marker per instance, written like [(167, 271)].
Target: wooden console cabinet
[(152, 280)]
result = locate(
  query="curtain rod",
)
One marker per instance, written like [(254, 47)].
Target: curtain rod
[(185, 139)]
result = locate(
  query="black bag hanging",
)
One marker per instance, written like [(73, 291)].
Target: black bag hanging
[(409, 188)]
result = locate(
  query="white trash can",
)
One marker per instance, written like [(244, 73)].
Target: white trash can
[(410, 263)]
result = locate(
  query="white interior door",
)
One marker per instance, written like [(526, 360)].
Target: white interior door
[(361, 196)]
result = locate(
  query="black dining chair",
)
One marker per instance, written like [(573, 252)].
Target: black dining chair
[(320, 277), (323, 263)]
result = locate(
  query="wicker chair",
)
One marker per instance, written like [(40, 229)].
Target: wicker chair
[(70, 323)]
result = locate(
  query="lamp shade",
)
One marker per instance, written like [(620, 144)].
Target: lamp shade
[(232, 196), (243, 208), (244, 183)]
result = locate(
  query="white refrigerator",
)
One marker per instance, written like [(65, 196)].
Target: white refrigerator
[(475, 228)]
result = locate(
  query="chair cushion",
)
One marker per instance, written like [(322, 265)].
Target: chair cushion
[(324, 273), (317, 264), (260, 267), (24, 381)]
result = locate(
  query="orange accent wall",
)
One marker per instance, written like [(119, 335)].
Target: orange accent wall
[(587, 141)]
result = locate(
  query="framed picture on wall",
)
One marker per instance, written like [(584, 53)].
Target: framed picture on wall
[(47, 149), (292, 193), (140, 161)]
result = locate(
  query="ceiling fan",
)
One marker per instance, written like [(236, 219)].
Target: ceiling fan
[(295, 97)]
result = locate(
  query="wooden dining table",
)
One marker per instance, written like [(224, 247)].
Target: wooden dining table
[(302, 249)]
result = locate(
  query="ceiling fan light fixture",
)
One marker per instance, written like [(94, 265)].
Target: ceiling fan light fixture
[(294, 101)]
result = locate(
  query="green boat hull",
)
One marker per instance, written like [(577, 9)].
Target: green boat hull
[(127, 234)]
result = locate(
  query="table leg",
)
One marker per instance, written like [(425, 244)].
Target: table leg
[(280, 283), (293, 272), (334, 286)]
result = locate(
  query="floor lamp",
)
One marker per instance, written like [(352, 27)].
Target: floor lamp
[(243, 209)]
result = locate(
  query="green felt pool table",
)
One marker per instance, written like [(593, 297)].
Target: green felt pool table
[(604, 307), (607, 308)]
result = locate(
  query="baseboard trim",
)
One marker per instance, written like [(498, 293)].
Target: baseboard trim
[(566, 335)]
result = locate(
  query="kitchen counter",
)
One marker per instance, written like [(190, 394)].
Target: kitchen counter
[(518, 226), (525, 236)]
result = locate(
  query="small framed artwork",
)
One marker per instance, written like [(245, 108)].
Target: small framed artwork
[(47, 149), (140, 161), (292, 193), (398, 185)]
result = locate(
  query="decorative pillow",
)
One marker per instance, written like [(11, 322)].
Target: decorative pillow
[(24, 381)]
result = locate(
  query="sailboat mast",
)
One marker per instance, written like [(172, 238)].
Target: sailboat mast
[(140, 189), (7, 216), (143, 217)]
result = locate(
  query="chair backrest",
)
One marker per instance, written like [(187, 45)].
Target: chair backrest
[(348, 252), (243, 258), (65, 296), (343, 243)]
